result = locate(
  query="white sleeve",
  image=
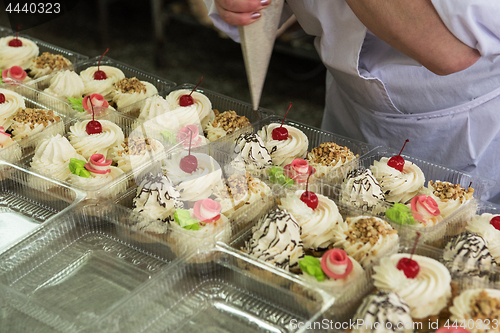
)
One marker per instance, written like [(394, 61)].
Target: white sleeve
[(475, 22)]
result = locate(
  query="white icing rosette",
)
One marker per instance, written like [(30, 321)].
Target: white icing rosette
[(17, 56), (153, 107), (9, 149), (480, 224), (317, 225), (426, 294), (65, 84), (104, 87), (214, 133), (13, 102), (151, 150), (253, 152), (398, 186), (110, 138), (124, 99), (361, 189), (202, 107), (285, 151), (201, 183), (21, 131), (37, 72), (357, 239), (52, 157), (462, 310)]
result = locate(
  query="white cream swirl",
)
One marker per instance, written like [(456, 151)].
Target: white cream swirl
[(101, 181), (285, 151), (104, 87), (361, 189), (253, 151), (37, 70), (462, 310), (276, 240), (126, 161), (102, 143), (398, 186), (480, 224), (427, 294), (201, 183), (317, 225), (153, 107), (357, 241), (202, 107), (52, 157), (17, 56), (124, 99), (13, 102), (66, 84)]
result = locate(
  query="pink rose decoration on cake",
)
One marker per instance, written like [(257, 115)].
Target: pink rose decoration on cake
[(424, 207), (207, 210), (336, 264), (98, 102), (13, 75), (98, 164), (299, 170), (3, 136), (183, 136)]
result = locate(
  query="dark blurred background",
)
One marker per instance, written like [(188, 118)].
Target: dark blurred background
[(186, 47)]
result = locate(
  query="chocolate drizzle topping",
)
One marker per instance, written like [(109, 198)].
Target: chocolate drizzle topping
[(257, 152)]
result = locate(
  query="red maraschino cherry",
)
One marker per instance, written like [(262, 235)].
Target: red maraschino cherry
[(100, 75), (281, 133), (93, 126), (2, 98), (409, 266), (308, 197), (495, 222), (397, 162), (189, 163), (16, 42), (187, 100)]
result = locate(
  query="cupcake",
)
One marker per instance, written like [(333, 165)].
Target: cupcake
[(12, 154), (318, 225), (189, 137), (423, 283), (225, 123), (65, 84), (398, 186), (487, 226), (52, 157), (334, 272), (5, 139), (425, 211), (10, 103), (329, 156), (479, 306), (17, 51), (153, 107), (136, 151), (383, 311), (365, 238), (195, 105), (360, 189), (467, 254), (284, 151), (449, 197), (128, 91), (197, 183), (29, 121), (110, 138), (252, 151), (276, 240), (47, 63), (101, 84)]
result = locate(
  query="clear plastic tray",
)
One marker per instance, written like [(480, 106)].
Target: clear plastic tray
[(34, 99), (216, 297), (28, 201), (219, 102), (161, 84), (434, 172), (129, 126), (72, 56), (76, 269)]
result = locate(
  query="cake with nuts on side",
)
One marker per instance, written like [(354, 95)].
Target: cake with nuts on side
[(136, 151), (449, 197), (30, 121), (128, 91), (329, 156), (224, 123), (47, 63)]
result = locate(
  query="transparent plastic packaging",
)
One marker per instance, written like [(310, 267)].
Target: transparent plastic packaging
[(72, 272), (218, 296)]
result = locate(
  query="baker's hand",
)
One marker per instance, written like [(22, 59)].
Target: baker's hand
[(240, 12)]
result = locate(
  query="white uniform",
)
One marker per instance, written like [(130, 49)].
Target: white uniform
[(378, 95)]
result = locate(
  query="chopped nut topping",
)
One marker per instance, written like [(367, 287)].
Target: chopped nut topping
[(446, 191), (53, 61), (135, 146), (368, 230), (230, 121), (35, 116), (329, 152), (485, 307), (238, 186), (130, 86)]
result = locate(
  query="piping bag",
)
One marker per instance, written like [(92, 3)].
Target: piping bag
[(257, 43)]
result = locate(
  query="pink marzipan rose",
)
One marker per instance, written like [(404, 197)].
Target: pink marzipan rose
[(15, 73), (424, 207), (98, 102)]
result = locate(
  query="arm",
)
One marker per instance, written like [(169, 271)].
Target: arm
[(414, 28)]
